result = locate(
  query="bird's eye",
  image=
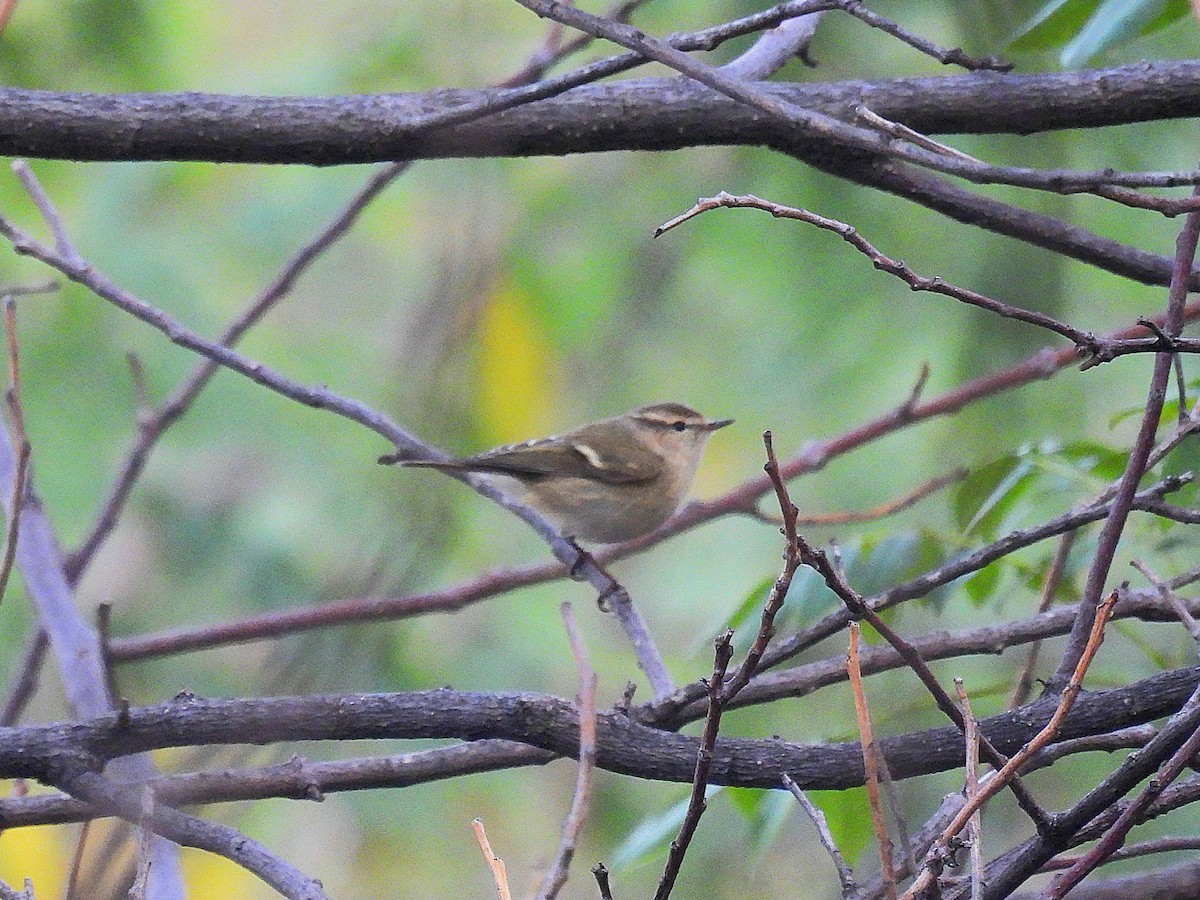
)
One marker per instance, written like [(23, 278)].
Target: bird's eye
[(679, 426)]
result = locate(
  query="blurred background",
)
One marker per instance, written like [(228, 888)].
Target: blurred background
[(486, 301)]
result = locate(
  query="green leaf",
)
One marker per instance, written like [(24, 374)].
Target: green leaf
[(981, 586), (765, 813), (970, 494), (883, 560), (745, 800), (1152, 652), (1184, 458), (651, 838), (1114, 22), (1095, 459), (1053, 25), (1173, 11), (849, 822), (987, 495), (747, 612)]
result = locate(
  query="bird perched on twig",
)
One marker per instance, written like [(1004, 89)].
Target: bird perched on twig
[(607, 481)]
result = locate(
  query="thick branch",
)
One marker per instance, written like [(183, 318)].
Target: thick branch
[(44, 751), (644, 114)]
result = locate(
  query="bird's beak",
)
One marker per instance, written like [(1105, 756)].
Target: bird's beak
[(719, 423)]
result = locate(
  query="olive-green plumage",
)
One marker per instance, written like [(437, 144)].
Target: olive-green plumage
[(607, 481)]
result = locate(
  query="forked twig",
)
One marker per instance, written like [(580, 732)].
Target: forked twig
[(895, 267), (942, 846), (779, 589)]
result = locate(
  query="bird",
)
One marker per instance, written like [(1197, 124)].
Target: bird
[(604, 482)]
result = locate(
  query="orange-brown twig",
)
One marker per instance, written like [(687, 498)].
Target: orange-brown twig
[(494, 863), (871, 762), (1041, 739)]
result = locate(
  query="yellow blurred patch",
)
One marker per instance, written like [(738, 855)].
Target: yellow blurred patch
[(41, 853), (517, 373), (212, 877)]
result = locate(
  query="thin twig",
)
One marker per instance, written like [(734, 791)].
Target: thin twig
[(893, 805), (600, 871), (556, 876), (974, 828), (875, 513), (946, 56), (897, 130), (779, 590), (1170, 844), (1129, 817), (21, 445), (814, 813), (77, 861), (1139, 454), (1171, 598), (848, 233), (104, 633), (870, 753), (776, 48), (542, 59), (62, 239), (696, 803), (144, 846), (494, 863), (1054, 575), (943, 845)]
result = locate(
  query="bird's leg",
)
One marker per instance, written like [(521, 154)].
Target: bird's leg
[(583, 559)]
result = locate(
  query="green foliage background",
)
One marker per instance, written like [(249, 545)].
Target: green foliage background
[(483, 301)]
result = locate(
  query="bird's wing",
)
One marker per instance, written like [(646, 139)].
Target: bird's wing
[(568, 457)]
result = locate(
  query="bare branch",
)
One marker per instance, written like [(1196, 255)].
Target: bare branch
[(21, 448), (974, 826), (1050, 585), (704, 759), (871, 763), (556, 876), (779, 590), (848, 233), (408, 446), (494, 863), (1139, 455), (1169, 596), (1048, 733), (845, 873)]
